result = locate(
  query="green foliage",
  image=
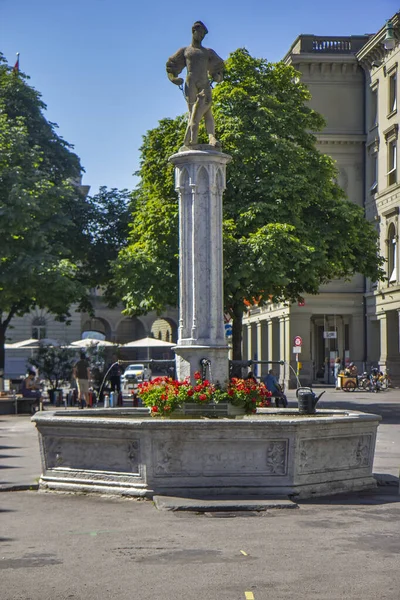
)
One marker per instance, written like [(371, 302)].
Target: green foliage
[(106, 227), (54, 242), (36, 201), (287, 226), (54, 364), (146, 273)]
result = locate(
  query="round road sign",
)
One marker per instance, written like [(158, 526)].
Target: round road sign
[(297, 341)]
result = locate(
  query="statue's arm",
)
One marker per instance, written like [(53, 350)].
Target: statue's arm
[(215, 66), (175, 65)]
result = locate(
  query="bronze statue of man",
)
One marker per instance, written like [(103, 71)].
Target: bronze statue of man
[(201, 65)]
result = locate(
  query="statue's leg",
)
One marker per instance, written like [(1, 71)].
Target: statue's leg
[(188, 132), (200, 108), (210, 127)]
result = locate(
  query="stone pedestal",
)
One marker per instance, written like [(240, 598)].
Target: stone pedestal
[(200, 182)]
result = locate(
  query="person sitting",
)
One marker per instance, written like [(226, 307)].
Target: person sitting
[(30, 388), (273, 386), (351, 370)]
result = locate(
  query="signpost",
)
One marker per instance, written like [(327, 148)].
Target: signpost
[(297, 344)]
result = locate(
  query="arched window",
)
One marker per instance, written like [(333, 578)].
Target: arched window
[(39, 328), (392, 253)]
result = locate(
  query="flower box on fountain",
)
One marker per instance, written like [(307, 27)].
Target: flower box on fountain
[(165, 397)]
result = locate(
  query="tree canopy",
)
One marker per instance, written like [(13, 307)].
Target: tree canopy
[(52, 237), (287, 226)]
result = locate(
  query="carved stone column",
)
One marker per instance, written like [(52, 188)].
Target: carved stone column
[(250, 341), (384, 339), (200, 182)]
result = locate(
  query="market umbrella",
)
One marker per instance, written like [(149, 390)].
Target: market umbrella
[(32, 343), (90, 342), (23, 344), (148, 342)]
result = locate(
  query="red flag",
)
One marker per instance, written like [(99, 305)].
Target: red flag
[(16, 66)]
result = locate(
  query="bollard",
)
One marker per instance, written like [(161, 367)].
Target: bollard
[(106, 401)]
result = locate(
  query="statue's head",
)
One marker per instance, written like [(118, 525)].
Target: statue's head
[(199, 30)]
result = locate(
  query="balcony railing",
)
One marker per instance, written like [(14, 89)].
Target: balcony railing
[(310, 44)]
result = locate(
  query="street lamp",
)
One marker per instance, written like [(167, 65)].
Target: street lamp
[(390, 41)]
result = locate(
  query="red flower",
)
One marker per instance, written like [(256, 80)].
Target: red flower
[(203, 397), (197, 375), (154, 409), (231, 392), (190, 392)]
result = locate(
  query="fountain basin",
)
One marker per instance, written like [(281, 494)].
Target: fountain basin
[(277, 451)]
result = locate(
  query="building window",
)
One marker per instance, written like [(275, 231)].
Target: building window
[(39, 328), (392, 254), (374, 108), (392, 93), (392, 162), (374, 173)]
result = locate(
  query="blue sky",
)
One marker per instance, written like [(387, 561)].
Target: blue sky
[(100, 64)]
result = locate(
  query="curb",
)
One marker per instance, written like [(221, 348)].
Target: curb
[(19, 488), (202, 505)]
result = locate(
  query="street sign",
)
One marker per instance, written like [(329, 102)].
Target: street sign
[(297, 341), (296, 349), (330, 335), (228, 329)]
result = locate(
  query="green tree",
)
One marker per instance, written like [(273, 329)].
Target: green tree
[(40, 208), (106, 226), (54, 364), (287, 226)]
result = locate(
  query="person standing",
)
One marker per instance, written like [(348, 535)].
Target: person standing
[(114, 375), (82, 376), (336, 370)]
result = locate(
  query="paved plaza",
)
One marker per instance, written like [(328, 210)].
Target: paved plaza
[(60, 546)]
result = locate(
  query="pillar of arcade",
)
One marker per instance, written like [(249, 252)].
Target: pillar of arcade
[(200, 182)]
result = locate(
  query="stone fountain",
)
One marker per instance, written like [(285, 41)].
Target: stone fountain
[(277, 451)]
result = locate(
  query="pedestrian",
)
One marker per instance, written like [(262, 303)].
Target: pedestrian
[(336, 370), (82, 376), (114, 375), (272, 384)]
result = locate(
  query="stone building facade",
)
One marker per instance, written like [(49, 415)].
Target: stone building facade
[(353, 83), (380, 58)]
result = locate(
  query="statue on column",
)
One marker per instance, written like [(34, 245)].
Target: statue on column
[(201, 65)]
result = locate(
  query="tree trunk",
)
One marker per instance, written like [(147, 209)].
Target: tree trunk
[(237, 332), (3, 329)]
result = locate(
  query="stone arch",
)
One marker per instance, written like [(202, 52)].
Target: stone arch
[(219, 180), (184, 179), (202, 180), (164, 329), (98, 325), (129, 329)]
